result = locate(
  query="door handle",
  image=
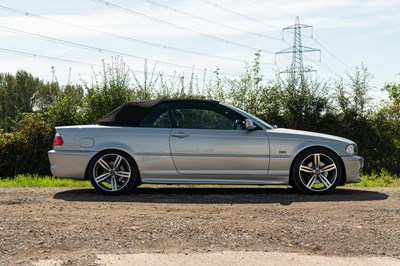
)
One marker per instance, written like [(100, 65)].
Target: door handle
[(179, 135)]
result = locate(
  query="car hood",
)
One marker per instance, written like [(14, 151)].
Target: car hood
[(305, 135)]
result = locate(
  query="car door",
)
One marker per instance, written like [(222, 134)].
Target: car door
[(209, 139)]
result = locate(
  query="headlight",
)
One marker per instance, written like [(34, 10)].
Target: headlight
[(351, 149)]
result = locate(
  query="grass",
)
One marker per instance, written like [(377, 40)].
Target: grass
[(381, 179), (41, 181)]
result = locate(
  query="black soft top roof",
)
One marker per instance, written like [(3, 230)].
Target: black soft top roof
[(132, 113)]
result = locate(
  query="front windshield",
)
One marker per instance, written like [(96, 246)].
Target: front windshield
[(252, 117)]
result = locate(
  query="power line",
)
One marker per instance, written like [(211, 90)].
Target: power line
[(240, 14), (9, 51), (63, 60), (312, 37), (331, 54), (349, 68), (101, 50), (210, 20), (324, 66), (135, 13), (120, 36)]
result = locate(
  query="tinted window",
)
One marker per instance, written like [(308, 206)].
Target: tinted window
[(158, 117), (206, 116)]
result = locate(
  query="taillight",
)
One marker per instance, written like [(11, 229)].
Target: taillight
[(58, 140)]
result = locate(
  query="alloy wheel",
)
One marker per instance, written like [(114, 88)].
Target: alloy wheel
[(318, 172), (111, 172)]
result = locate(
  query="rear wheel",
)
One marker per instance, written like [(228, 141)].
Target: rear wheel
[(113, 172), (317, 171)]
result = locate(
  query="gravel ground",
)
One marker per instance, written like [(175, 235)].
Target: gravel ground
[(73, 226)]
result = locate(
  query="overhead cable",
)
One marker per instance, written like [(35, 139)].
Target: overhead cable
[(241, 15), (211, 21), (157, 20), (51, 58), (121, 37), (101, 50)]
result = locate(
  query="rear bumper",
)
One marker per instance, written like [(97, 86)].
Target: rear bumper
[(353, 166), (69, 164)]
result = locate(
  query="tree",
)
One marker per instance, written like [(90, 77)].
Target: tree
[(20, 93), (111, 91), (45, 96), (304, 104), (66, 108), (246, 92), (145, 88), (387, 124), (359, 85)]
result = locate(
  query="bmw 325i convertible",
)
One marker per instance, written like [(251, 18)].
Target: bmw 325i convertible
[(190, 141)]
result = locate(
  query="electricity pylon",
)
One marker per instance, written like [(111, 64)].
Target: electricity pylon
[(297, 70)]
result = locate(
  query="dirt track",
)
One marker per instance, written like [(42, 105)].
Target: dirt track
[(74, 225)]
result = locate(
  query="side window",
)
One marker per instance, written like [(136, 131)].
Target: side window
[(159, 117), (162, 121), (205, 116)]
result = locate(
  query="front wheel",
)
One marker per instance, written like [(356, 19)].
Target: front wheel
[(113, 172), (317, 171)]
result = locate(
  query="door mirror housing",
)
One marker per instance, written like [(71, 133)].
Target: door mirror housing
[(249, 124)]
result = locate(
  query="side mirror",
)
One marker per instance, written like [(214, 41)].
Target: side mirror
[(249, 124)]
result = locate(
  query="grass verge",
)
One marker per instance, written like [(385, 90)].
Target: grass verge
[(381, 179), (41, 181)]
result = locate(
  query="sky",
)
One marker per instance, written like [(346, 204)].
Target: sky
[(180, 36)]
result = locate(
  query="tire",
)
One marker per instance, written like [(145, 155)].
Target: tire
[(317, 171), (113, 172)]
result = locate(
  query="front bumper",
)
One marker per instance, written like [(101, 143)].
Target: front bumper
[(353, 166), (69, 164)]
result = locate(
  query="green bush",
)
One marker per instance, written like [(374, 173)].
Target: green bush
[(24, 150)]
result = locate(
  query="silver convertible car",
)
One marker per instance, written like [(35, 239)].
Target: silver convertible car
[(190, 141)]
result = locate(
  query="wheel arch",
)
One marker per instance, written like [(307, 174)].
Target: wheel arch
[(111, 150), (343, 179)]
